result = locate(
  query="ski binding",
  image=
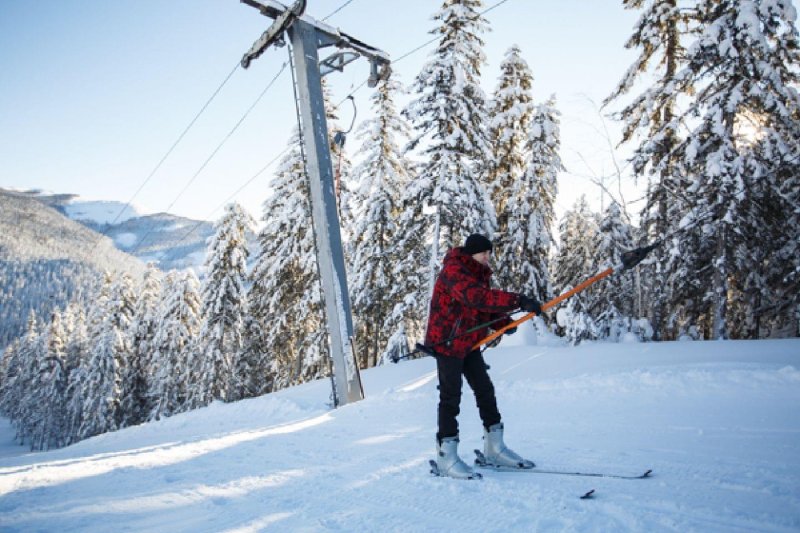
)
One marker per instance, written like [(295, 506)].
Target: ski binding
[(435, 471)]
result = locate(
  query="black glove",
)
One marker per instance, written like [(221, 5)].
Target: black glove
[(510, 331), (530, 305)]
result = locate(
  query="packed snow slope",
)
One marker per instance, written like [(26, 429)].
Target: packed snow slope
[(718, 422)]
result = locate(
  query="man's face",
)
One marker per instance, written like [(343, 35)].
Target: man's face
[(483, 257)]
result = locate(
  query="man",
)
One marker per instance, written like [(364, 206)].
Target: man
[(463, 299)]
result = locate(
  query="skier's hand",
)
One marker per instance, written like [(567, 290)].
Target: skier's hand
[(510, 331), (530, 305)]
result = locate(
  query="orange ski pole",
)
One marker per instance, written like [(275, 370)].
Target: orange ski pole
[(552, 303), (629, 260)]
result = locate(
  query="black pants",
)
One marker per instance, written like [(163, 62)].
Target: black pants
[(450, 370)]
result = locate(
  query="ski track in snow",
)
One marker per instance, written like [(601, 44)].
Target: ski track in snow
[(718, 422)]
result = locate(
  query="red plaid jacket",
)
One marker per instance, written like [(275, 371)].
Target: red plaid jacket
[(461, 300)]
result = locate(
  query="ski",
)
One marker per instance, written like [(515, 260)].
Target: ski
[(435, 472), (480, 461)]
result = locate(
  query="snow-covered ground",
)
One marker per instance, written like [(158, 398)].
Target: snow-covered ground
[(718, 422)]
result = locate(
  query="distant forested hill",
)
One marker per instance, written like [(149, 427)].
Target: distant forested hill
[(46, 259)]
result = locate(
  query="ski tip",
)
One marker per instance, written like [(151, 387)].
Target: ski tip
[(647, 474), (588, 495)]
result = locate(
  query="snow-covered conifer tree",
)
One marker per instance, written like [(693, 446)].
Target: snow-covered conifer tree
[(658, 37), (743, 66), (135, 405), (18, 402), (50, 388), (176, 360), (32, 415), (124, 299), (224, 308), (612, 302), (9, 370), (77, 362), (574, 321), (285, 296), (449, 117), (523, 257), (510, 114), (573, 263), (449, 197), (382, 176), (772, 293), (290, 230), (110, 347)]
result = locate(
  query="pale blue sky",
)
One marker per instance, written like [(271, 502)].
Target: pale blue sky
[(93, 93)]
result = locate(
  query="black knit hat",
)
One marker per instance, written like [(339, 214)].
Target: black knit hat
[(476, 243)]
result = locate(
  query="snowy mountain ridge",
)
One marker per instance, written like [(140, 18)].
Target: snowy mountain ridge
[(171, 241), (716, 421)]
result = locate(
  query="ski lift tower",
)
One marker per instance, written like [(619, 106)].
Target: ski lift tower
[(307, 36)]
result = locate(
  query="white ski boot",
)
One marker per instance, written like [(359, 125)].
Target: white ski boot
[(496, 453), (449, 464)]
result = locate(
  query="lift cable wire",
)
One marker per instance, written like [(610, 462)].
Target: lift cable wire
[(208, 160), (338, 9), (164, 158), (232, 196), (257, 174), (213, 154)]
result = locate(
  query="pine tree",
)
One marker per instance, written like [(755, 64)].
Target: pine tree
[(612, 303), (766, 299), (651, 114), (176, 361), (743, 64), (774, 289), (523, 256), (78, 359), (19, 377), (383, 175), (449, 116), (224, 308), (510, 115), (143, 328), (574, 260), (124, 302), (575, 322), (109, 344), (285, 296), (573, 263), (254, 379), (448, 195), (51, 387), (31, 414), (9, 370)]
